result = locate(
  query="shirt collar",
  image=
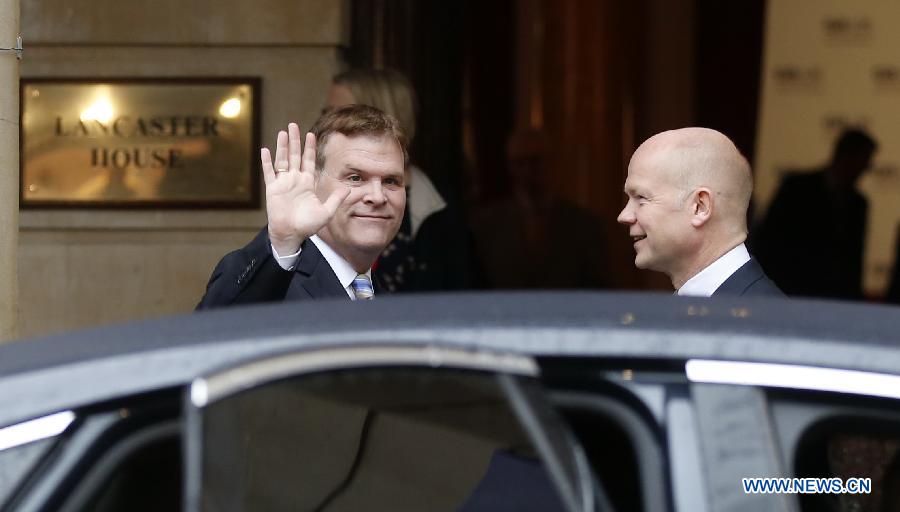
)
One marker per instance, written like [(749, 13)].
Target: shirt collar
[(342, 269), (708, 280)]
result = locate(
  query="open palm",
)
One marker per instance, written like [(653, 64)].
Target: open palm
[(294, 210)]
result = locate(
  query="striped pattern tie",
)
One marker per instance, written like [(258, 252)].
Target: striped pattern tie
[(362, 287)]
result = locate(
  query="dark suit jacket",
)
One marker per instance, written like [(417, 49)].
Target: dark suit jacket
[(812, 238), (893, 292), (251, 274), (749, 280)]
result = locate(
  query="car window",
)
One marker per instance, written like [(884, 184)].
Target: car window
[(16, 462), (141, 473), (854, 451), (24, 444), (608, 447), (371, 439), (394, 439), (609, 410), (120, 455), (827, 436)]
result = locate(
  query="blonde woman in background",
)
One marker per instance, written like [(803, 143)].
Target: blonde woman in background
[(430, 253)]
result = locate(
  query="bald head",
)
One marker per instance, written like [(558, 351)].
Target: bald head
[(688, 192), (694, 158)]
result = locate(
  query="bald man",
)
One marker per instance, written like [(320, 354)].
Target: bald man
[(688, 192)]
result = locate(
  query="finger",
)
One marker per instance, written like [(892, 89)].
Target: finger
[(309, 154), (335, 199), (295, 147), (281, 149), (268, 171)]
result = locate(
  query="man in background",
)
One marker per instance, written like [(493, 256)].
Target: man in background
[(812, 238), (688, 193), (535, 238)]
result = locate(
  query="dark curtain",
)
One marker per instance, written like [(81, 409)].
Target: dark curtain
[(423, 40), (729, 60)]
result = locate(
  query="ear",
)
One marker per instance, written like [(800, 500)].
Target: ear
[(701, 204)]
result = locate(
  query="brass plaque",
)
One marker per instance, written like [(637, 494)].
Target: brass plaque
[(139, 143)]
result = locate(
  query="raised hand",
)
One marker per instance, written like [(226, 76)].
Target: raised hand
[(294, 210)]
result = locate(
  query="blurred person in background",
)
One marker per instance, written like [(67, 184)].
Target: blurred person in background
[(812, 238), (431, 250), (893, 292), (534, 238)]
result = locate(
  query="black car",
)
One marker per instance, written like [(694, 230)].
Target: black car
[(551, 401)]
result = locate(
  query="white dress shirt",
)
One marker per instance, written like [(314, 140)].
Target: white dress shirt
[(423, 199), (708, 280), (339, 265)]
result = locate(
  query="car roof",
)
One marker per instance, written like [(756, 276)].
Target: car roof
[(64, 371)]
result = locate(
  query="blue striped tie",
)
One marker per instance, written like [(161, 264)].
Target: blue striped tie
[(362, 287)]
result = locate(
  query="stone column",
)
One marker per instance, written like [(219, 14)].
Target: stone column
[(9, 169)]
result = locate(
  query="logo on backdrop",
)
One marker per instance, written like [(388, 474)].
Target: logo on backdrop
[(886, 78), (835, 123), (798, 78), (847, 29)]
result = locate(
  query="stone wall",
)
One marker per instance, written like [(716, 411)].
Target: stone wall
[(80, 268)]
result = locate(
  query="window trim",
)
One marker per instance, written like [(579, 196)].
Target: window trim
[(793, 376), (206, 390), (37, 429), (648, 447)]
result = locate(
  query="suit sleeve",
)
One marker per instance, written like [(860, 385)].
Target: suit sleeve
[(248, 275)]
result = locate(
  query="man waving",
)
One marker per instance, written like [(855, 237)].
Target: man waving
[(332, 206)]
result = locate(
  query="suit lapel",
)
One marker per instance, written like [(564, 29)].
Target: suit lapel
[(315, 276), (742, 278)]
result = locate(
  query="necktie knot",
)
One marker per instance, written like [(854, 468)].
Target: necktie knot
[(362, 287)]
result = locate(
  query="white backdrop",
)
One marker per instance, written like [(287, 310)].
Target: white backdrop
[(828, 64)]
